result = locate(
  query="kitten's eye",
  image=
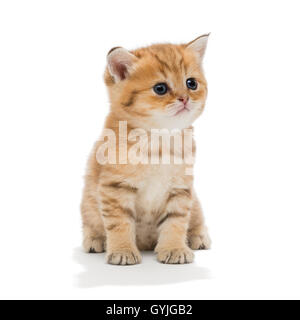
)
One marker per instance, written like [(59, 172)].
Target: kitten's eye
[(160, 88), (191, 83)]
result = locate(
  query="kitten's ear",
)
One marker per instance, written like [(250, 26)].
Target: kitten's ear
[(120, 63), (199, 45)]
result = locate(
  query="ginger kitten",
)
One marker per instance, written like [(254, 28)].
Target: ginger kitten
[(147, 205)]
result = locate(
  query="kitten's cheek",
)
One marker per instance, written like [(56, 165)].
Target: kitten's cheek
[(199, 110)]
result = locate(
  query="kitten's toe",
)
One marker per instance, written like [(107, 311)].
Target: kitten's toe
[(94, 245), (202, 242), (175, 256), (124, 257)]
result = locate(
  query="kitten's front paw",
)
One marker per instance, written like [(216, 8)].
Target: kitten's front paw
[(202, 242), (175, 256), (124, 257)]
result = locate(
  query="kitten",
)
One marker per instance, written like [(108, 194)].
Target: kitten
[(130, 207)]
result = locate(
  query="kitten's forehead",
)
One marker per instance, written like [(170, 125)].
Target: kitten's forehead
[(168, 59)]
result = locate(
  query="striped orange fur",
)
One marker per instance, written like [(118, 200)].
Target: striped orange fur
[(131, 207)]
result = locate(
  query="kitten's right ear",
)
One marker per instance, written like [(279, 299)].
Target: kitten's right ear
[(120, 63), (199, 46)]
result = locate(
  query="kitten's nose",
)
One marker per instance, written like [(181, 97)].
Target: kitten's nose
[(184, 100)]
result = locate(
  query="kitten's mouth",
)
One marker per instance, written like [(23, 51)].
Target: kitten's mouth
[(183, 109)]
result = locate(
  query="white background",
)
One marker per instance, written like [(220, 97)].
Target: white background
[(52, 106)]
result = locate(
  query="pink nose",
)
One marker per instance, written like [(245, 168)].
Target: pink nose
[(184, 100)]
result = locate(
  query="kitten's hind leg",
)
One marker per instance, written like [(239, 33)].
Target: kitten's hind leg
[(92, 243), (198, 237), (94, 239)]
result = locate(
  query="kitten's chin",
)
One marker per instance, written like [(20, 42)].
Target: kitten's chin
[(180, 121)]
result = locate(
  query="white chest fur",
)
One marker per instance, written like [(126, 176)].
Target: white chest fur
[(152, 194), (155, 187)]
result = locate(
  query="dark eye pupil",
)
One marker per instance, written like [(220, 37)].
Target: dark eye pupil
[(160, 88), (191, 83)]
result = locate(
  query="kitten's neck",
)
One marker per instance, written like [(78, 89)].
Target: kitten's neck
[(113, 121)]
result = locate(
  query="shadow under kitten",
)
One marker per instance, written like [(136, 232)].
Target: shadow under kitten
[(97, 273)]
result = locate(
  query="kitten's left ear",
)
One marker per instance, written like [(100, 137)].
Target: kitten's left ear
[(199, 45), (120, 63)]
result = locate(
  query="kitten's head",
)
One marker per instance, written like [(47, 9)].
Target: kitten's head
[(161, 86)]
